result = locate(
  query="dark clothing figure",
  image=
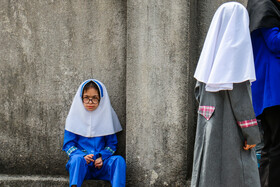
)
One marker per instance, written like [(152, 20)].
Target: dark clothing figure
[(270, 157), (265, 34), (263, 14)]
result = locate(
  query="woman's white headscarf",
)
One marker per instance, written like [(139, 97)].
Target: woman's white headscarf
[(100, 122), (227, 55)]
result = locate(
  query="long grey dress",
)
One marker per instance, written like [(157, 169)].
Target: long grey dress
[(225, 120)]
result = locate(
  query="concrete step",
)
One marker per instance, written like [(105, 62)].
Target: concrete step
[(42, 181)]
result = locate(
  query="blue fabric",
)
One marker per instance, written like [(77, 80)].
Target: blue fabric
[(113, 169), (97, 83), (266, 89)]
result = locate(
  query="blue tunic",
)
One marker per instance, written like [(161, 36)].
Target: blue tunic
[(76, 147), (266, 89)]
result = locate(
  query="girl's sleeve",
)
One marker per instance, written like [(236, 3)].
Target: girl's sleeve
[(241, 103), (69, 144), (111, 142), (272, 38)]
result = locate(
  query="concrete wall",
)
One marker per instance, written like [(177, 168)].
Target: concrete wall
[(144, 51), (158, 102), (47, 49)]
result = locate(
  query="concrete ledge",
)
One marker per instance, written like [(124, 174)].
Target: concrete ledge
[(41, 181)]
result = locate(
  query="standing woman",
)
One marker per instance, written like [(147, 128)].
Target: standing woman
[(227, 129), (265, 33), (90, 137)]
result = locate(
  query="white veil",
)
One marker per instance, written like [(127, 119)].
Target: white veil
[(100, 122), (227, 54)]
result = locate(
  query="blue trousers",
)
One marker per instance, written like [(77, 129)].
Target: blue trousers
[(113, 170)]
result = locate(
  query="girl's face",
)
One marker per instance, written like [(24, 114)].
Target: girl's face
[(91, 99)]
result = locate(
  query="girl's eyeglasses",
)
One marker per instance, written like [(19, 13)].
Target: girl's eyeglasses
[(94, 100)]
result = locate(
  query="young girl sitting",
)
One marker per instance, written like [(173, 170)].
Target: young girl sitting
[(90, 137)]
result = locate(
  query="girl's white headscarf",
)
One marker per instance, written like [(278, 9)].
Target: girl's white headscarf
[(100, 122), (227, 55)]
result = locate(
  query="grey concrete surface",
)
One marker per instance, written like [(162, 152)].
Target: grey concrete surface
[(160, 103), (145, 52), (44, 181), (47, 49)]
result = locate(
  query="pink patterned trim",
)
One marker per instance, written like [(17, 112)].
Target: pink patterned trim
[(247, 123), (206, 111)]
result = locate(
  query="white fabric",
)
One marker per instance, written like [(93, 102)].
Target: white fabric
[(100, 122), (227, 55)]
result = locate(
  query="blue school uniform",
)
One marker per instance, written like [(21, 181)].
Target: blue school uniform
[(76, 147), (266, 89), (93, 132)]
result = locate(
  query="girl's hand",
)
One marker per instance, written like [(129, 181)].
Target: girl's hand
[(89, 158), (98, 163), (247, 147)]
